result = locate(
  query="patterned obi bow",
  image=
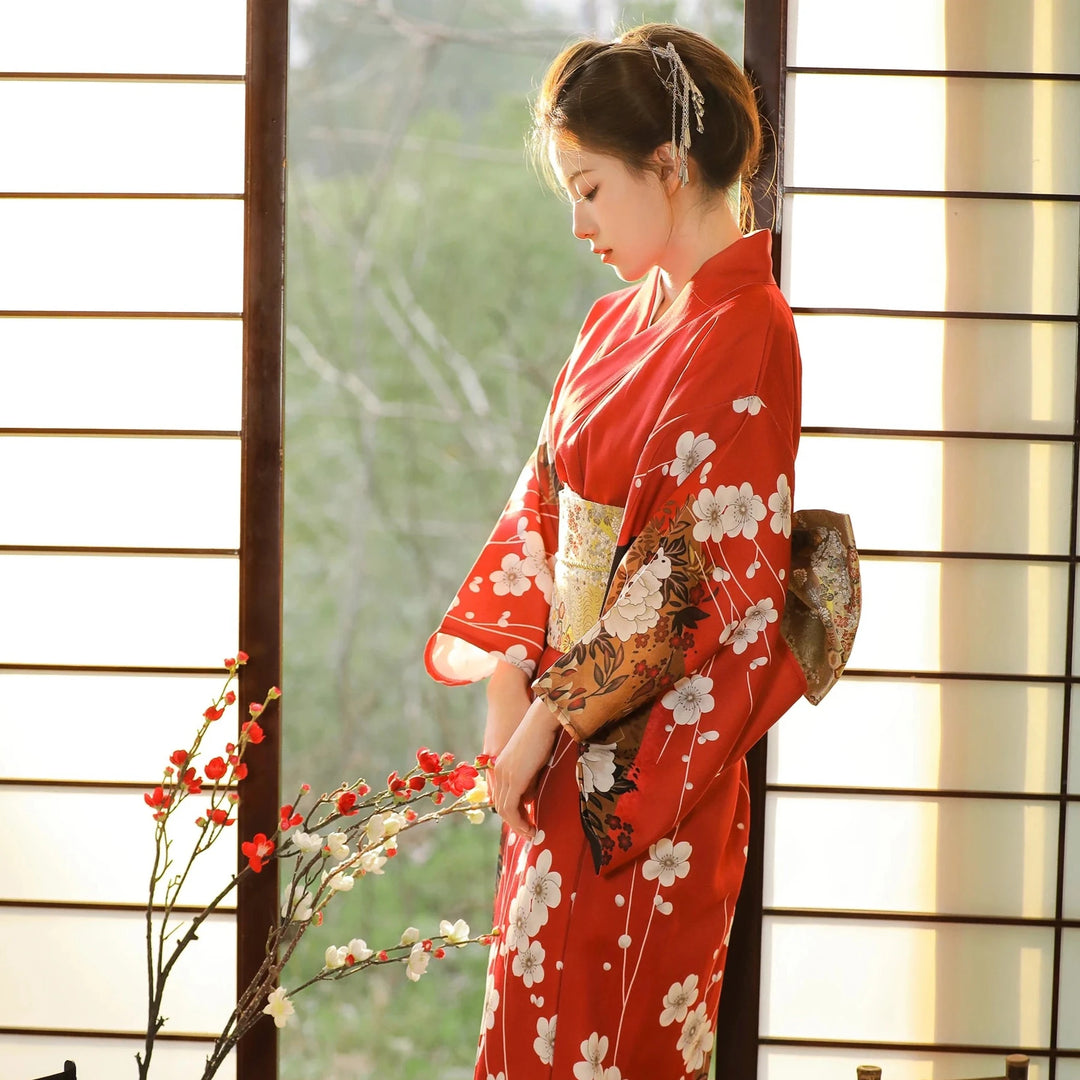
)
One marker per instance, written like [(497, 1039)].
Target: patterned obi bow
[(824, 597)]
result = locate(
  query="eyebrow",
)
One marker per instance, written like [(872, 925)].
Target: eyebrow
[(571, 179)]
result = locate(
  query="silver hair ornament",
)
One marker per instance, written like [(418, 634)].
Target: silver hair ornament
[(684, 94)]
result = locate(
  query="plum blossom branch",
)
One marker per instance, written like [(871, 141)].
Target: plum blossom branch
[(341, 836)]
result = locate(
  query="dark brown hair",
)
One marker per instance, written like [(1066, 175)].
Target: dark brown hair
[(611, 98)]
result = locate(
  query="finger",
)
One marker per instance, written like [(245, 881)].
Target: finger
[(515, 818)]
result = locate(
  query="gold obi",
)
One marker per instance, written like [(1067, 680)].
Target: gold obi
[(588, 537)]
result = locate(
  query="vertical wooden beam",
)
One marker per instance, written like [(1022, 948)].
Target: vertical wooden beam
[(261, 467), (738, 1022)]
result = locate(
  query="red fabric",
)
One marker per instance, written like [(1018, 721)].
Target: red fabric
[(615, 918)]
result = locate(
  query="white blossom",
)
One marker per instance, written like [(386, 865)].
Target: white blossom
[(751, 404), (544, 1043), (696, 1039), (358, 950), (638, 607), (593, 1050), (596, 767), (689, 699), (690, 451), (455, 933), (336, 846), (667, 861), (335, 956), (511, 578), (529, 963), (780, 505), (709, 511), (279, 1007), (678, 999), (743, 510), (307, 842), (759, 615), (417, 963)]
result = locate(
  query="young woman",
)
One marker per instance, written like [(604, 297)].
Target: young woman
[(626, 609)]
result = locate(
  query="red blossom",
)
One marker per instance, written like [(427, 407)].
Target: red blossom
[(410, 815), (240, 771), (257, 851), (233, 759), (306, 788), (460, 779), (230, 663), (241, 657), (361, 789), (219, 816), (382, 955), (178, 758), (193, 781), (255, 708), (213, 714), (427, 944), (157, 798), (289, 818), (428, 760), (484, 759), (252, 730), (274, 693), (346, 803), (416, 783), (230, 698), (215, 769), (438, 798), (439, 953)]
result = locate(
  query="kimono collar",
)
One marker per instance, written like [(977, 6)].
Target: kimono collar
[(748, 261)]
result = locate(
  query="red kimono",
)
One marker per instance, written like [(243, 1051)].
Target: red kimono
[(640, 568)]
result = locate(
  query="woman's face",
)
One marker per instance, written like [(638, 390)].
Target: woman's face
[(625, 216)]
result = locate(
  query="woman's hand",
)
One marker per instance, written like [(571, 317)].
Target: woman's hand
[(512, 778)]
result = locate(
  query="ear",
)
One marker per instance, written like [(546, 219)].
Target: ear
[(667, 167)]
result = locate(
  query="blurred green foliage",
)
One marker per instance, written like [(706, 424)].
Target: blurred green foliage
[(433, 291)]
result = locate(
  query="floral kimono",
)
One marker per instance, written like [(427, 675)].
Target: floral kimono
[(638, 574)]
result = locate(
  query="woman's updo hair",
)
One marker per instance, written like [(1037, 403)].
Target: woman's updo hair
[(611, 98)]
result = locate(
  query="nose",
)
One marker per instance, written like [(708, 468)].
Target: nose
[(582, 224)]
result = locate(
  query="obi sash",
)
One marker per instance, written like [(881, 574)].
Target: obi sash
[(588, 537)]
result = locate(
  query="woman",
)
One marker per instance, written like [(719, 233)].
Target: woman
[(640, 569)]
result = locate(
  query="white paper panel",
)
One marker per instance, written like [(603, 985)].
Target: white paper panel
[(115, 867), (1072, 862), (205, 37), (147, 611), (954, 735), (104, 962), (1068, 1069), (102, 492), (1016, 35), (946, 486), (937, 374), (798, 1063), (104, 1059), (146, 716), (1074, 745), (1069, 1002), (902, 982), (927, 615), (122, 136), (179, 374), (932, 134), (122, 254), (948, 856), (931, 254)]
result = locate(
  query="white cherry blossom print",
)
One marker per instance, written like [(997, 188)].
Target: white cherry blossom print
[(536, 563), (511, 578), (544, 1043), (709, 510), (529, 964), (667, 861), (742, 636), (638, 606), (690, 451), (761, 614), (542, 891), (593, 1051), (518, 656), (743, 511), (751, 405), (517, 922), (491, 1002), (678, 999), (696, 1039), (780, 505), (689, 699), (596, 767)]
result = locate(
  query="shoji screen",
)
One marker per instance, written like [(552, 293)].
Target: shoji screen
[(125, 334), (922, 853)]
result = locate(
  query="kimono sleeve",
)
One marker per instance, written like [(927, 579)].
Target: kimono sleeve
[(501, 609), (687, 667)]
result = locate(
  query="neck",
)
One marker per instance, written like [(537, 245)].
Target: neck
[(697, 234)]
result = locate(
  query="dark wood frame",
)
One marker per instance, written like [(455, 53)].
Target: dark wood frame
[(262, 481)]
